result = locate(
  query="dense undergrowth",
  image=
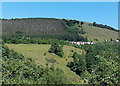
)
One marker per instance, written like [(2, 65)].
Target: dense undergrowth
[(100, 64)]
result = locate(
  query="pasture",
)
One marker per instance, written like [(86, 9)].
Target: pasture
[(39, 53)]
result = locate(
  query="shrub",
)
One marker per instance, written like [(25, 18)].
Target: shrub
[(57, 49)]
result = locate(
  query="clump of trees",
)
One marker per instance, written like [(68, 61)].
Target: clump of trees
[(71, 22), (104, 26), (99, 65), (82, 23), (74, 27), (16, 69), (57, 49), (78, 65)]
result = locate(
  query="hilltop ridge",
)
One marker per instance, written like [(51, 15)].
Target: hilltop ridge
[(52, 26)]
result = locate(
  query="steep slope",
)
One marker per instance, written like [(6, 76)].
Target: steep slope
[(33, 26), (39, 52)]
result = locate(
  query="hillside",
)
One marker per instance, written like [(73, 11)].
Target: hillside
[(101, 34), (17, 69), (92, 64), (33, 26), (55, 27), (39, 51), (42, 57)]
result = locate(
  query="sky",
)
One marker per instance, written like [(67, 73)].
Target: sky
[(60, 0), (100, 12)]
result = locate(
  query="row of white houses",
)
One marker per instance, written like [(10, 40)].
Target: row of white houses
[(82, 43)]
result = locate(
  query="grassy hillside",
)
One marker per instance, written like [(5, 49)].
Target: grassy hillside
[(101, 34), (47, 26), (41, 56), (16, 69)]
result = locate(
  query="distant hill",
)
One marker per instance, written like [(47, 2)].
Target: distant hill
[(100, 34), (33, 26), (51, 26)]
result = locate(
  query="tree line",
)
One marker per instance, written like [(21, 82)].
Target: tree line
[(41, 39), (104, 26)]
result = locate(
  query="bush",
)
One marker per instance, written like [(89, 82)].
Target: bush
[(57, 49), (79, 65)]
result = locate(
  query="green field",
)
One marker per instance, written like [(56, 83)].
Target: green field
[(40, 54), (101, 34)]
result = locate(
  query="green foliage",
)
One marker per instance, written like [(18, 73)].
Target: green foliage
[(16, 69), (32, 40), (104, 26), (42, 39), (57, 49), (54, 76), (71, 22), (79, 64), (94, 23), (73, 29), (100, 63), (82, 23), (19, 32)]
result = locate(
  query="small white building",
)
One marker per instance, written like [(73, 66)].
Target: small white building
[(116, 40), (82, 43)]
